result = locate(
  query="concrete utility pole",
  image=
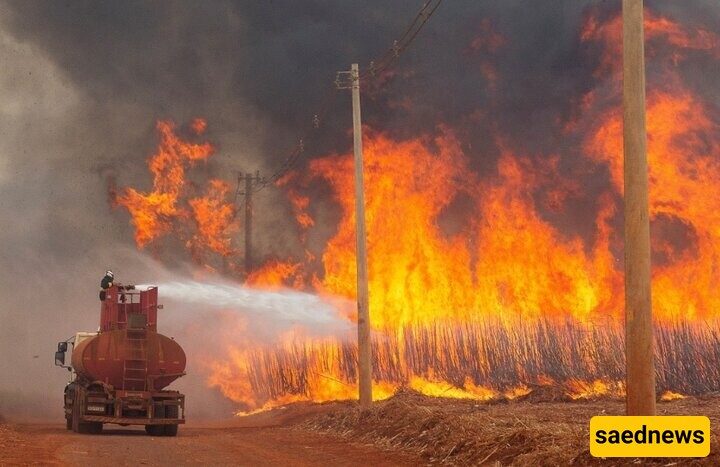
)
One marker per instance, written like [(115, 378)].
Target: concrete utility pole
[(640, 376), (364, 349)]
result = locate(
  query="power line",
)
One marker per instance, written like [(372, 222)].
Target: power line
[(299, 148), (399, 46), (372, 72)]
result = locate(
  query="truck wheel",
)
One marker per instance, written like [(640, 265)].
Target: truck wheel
[(154, 430), (171, 411), (95, 428), (92, 428), (75, 423), (68, 404)]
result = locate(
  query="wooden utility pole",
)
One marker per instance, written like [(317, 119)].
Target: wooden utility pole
[(248, 222), (640, 376), (364, 349)]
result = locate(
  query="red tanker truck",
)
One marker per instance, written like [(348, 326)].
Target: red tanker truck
[(120, 371)]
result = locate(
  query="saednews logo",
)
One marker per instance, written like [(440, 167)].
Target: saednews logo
[(686, 436)]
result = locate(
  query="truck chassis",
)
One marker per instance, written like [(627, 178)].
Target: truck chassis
[(89, 406)]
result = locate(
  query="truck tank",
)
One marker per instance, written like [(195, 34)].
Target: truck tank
[(128, 353), (130, 359)]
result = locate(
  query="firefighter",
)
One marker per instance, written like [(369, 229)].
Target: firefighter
[(106, 283)]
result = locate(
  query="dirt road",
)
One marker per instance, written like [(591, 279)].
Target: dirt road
[(52, 445), (543, 428)]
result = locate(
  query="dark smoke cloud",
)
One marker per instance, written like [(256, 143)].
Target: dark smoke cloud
[(83, 82)]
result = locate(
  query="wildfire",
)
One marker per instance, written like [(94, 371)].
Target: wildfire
[(478, 289), (507, 261), (683, 152), (590, 390), (275, 274), (214, 218), (299, 202), (671, 396), (482, 360), (204, 224), (661, 35), (422, 275)]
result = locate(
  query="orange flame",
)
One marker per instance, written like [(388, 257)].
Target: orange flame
[(671, 396), (299, 202), (214, 218), (661, 34), (204, 224), (421, 275), (594, 389), (276, 274), (683, 167)]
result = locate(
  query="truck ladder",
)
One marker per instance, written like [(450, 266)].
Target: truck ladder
[(135, 365)]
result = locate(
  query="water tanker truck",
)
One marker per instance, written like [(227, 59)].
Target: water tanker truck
[(120, 372)]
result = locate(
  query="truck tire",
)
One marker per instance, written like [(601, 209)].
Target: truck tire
[(68, 400), (95, 428), (76, 424), (154, 430), (171, 411), (86, 428)]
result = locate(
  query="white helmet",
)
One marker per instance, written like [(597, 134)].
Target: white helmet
[(109, 273)]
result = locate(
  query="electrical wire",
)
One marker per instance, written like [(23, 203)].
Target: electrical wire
[(372, 73)]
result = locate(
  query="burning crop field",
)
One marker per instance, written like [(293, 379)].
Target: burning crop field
[(486, 281)]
